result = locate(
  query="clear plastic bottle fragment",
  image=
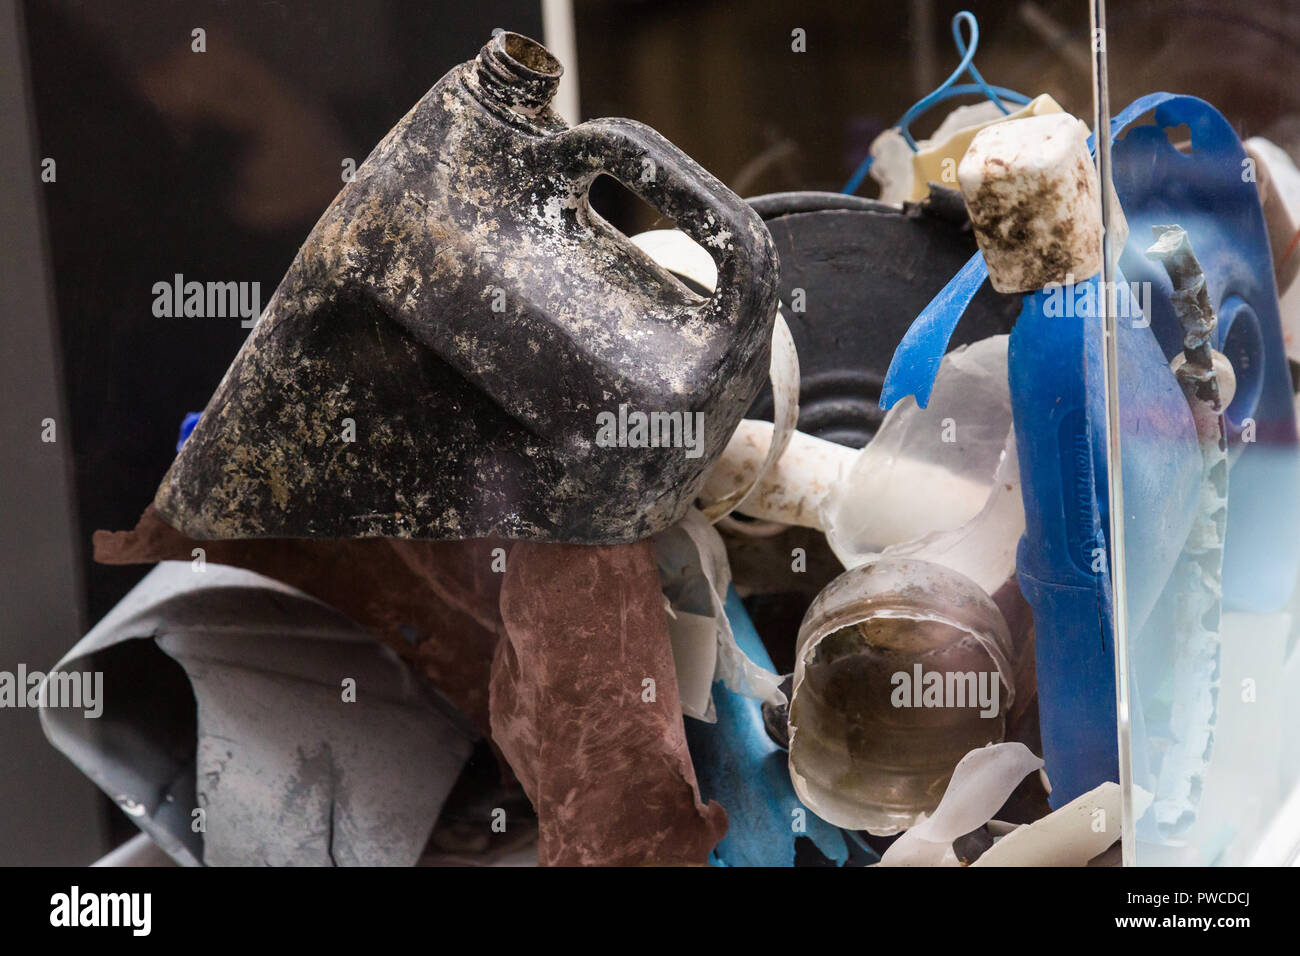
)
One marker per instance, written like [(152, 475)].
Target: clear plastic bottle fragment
[(901, 669)]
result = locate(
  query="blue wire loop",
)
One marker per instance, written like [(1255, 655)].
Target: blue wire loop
[(946, 91)]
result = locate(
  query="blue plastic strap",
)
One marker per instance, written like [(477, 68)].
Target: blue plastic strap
[(916, 360), (967, 65), (946, 91)]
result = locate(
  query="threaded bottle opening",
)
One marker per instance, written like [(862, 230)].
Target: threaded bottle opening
[(518, 72)]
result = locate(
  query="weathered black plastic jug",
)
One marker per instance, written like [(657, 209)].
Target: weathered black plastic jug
[(459, 328)]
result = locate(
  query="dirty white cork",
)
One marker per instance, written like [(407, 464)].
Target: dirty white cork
[(1034, 200)]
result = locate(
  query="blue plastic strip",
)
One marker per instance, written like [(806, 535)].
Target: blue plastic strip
[(859, 174), (916, 360), (738, 765), (946, 91), (967, 64)]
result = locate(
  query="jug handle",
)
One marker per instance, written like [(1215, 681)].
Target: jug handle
[(674, 184)]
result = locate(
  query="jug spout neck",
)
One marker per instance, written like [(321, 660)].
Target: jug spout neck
[(518, 73)]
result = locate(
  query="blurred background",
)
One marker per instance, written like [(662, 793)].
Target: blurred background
[(215, 165)]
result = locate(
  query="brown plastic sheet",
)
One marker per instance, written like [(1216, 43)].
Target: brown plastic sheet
[(601, 752)]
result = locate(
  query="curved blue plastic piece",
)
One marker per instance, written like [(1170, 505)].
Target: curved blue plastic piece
[(1055, 368), (738, 765), (916, 360)]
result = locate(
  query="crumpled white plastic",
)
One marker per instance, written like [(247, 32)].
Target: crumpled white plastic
[(695, 575)]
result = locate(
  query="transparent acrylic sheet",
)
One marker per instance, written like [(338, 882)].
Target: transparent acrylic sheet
[(1206, 650)]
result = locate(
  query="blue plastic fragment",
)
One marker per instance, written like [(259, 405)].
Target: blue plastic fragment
[(1057, 395), (1053, 373), (738, 765), (916, 360), (187, 427)]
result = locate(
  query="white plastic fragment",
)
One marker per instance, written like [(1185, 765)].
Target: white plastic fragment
[(980, 785), (792, 491), (928, 470), (695, 575), (936, 160), (891, 167), (694, 639), (1034, 200), (1071, 836)]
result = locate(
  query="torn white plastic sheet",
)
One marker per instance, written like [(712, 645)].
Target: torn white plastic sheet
[(695, 576), (980, 785), (984, 548), (315, 745), (939, 482), (1069, 836), (680, 254), (891, 167)]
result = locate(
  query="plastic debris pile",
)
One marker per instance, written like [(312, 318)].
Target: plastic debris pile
[(778, 538)]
